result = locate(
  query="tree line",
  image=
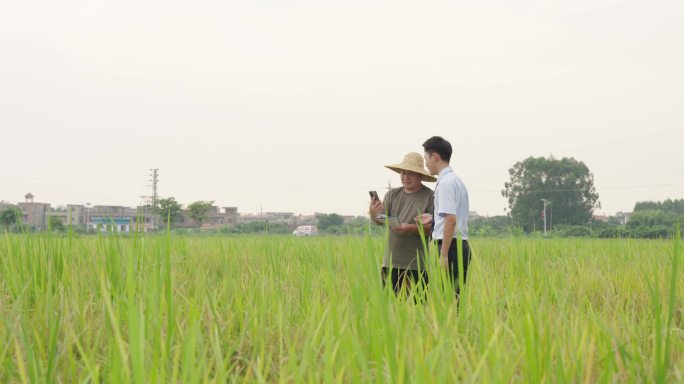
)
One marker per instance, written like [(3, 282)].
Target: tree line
[(543, 193), (568, 186)]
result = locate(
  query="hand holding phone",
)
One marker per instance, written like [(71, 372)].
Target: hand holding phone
[(374, 196), (375, 208)]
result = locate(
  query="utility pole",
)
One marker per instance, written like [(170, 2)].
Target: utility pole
[(546, 202)]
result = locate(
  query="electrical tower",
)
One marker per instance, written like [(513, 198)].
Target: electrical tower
[(155, 181), (153, 200)]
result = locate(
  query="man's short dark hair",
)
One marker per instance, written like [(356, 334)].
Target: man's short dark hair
[(436, 144)]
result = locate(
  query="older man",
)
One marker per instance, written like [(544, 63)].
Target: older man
[(404, 261)]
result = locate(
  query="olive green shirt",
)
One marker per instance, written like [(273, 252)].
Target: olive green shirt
[(406, 251)]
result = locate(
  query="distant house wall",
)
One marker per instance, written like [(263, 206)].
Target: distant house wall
[(216, 218), (35, 215), (271, 217)]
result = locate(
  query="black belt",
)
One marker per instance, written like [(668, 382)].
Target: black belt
[(436, 241)]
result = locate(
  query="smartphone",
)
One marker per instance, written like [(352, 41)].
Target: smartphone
[(374, 196)]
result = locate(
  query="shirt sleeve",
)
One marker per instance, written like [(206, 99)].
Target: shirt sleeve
[(447, 202)]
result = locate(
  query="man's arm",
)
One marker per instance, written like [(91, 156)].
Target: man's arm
[(376, 208), (449, 230)]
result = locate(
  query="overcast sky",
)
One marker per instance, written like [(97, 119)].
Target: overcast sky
[(297, 105)]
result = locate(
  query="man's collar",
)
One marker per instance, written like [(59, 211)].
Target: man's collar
[(417, 189), (444, 171)]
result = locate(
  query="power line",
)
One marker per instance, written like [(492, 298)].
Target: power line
[(192, 174), (270, 187), (580, 190), (73, 177)]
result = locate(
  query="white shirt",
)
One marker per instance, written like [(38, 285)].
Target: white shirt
[(451, 198)]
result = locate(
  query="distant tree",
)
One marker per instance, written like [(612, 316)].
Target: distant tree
[(361, 225), (652, 218), (10, 217), (669, 205), (491, 226), (567, 183), (336, 230), (198, 211), (169, 210), (619, 219), (254, 227), (55, 224), (327, 221), (646, 206)]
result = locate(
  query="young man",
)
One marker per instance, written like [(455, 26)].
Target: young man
[(451, 209), (404, 260)]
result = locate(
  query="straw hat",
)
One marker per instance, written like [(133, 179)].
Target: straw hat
[(412, 162)]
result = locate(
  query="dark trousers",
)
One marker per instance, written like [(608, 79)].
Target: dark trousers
[(453, 261), (402, 278)]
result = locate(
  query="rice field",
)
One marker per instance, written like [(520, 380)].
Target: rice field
[(167, 309)]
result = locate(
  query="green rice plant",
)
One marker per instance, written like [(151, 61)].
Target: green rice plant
[(162, 308)]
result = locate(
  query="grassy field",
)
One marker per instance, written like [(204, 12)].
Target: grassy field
[(280, 309)]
